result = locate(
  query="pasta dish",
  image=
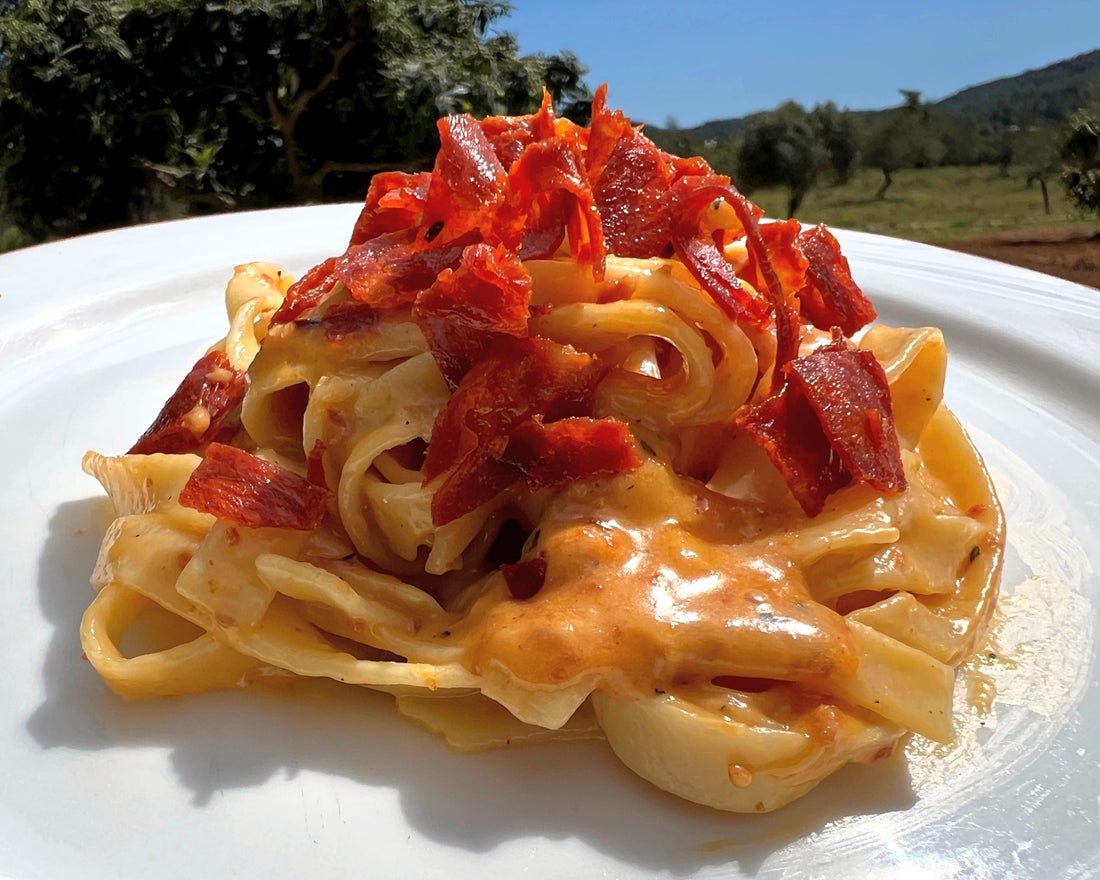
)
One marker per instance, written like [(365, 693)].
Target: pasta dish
[(567, 441)]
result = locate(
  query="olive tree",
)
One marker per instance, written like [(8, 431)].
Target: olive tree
[(1080, 152), (903, 137), (782, 148)]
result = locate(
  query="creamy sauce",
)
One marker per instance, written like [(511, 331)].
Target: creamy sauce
[(981, 691), (634, 595)]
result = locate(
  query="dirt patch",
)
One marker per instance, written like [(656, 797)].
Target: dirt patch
[(1073, 256)]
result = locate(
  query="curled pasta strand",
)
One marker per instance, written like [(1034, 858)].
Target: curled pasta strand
[(662, 402), (364, 534), (371, 621), (202, 664), (284, 640), (737, 367)]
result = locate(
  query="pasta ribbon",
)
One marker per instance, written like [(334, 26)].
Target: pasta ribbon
[(566, 443)]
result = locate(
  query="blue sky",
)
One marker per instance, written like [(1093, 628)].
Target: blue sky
[(694, 61)]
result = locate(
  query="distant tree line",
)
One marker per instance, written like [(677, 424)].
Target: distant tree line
[(118, 111), (797, 149)]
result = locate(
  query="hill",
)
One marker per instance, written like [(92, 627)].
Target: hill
[(1048, 94)]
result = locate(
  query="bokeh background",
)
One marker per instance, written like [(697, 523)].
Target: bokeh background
[(972, 125)]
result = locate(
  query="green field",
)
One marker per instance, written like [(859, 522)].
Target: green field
[(936, 204)]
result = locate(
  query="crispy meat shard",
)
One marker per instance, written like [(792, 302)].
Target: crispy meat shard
[(520, 382), (307, 292), (631, 179), (830, 422), (830, 297), (846, 388), (700, 252), (395, 201), (198, 409), (526, 577), (468, 308), (548, 180), (389, 271), (511, 135), (468, 181), (239, 487), (576, 448)]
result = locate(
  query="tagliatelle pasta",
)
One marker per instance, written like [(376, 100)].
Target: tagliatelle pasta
[(567, 442)]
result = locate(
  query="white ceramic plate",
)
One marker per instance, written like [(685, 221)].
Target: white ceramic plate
[(94, 335)]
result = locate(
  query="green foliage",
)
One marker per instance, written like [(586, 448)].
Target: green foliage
[(1080, 153), (58, 124), (722, 156), (837, 132), (1036, 150), (965, 142), (121, 110), (782, 149), (904, 137), (792, 148)]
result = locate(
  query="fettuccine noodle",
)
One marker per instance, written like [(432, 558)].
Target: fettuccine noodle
[(659, 569)]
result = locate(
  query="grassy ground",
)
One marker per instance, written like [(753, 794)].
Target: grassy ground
[(937, 205)]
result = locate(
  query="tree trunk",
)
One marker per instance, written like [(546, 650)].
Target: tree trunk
[(795, 202), (887, 179), (1039, 176), (285, 121)]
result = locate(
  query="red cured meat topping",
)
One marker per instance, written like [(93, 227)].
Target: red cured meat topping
[(526, 577), (785, 426), (388, 272), (631, 180), (829, 422), (510, 135), (571, 449), (467, 309), (242, 488), (395, 201), (846, 387), (468, 181), (196, 412), (830, 297), (700, 252), (450, 244), (307, 292), (551, 171), (517, 381)]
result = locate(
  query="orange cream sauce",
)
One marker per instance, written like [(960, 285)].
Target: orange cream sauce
[(635, 596)]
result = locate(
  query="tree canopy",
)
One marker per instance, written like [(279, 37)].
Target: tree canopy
[(792, 148), (905, 137), (113, 111), (1080, 152)]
